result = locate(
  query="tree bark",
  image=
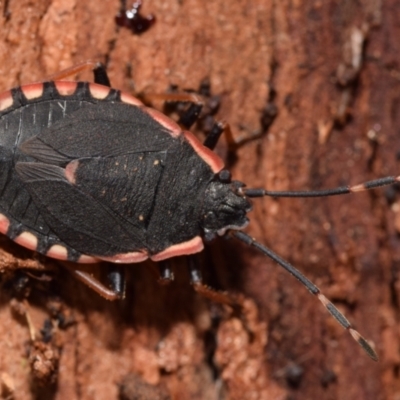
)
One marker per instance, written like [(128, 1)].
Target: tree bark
[(331, 70)]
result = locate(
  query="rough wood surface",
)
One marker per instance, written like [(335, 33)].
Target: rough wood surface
[(332, 70)]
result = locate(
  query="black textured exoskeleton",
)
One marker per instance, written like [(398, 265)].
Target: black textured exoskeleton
[(89, 173)]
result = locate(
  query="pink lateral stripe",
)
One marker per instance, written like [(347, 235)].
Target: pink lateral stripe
[(84, 259), (66, 88), (6, 100), (127, 98), (174, 129), (28, 240), (192, 246), (58, 252), (99, 91), (209, 157), (32, 91), (127, 258), (4, 224)]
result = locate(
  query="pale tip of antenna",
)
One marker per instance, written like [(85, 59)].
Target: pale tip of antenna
[(323, 299), (355, 334), (358, 188), (364, 344), (397, 179)]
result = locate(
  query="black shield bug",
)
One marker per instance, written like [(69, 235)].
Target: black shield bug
[(89, 173)]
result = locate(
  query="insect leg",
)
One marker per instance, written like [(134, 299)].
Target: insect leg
[(166, 274), (100, 75), (116, 277), (220, 128), (216, 132), (99, 71), (206, 291), (92, 282), (190, 116)]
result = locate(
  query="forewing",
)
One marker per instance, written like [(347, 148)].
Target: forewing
[(99, 130), (78, 219)]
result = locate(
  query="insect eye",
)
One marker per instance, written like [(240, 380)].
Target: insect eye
[(225, 176)]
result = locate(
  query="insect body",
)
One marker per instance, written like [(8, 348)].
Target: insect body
[(89, 173), (88, 176)]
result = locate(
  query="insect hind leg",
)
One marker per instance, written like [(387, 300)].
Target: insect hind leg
[(99, 72), (116, 291), (117, 281)]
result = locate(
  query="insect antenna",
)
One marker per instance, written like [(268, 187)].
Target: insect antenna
[(312, 288), (389, 180)]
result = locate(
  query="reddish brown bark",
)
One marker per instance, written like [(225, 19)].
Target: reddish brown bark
[(334, 69)]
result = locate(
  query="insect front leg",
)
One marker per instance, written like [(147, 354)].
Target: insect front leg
[(238, 305), (191, 115), (197, 281), (216, 132)]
